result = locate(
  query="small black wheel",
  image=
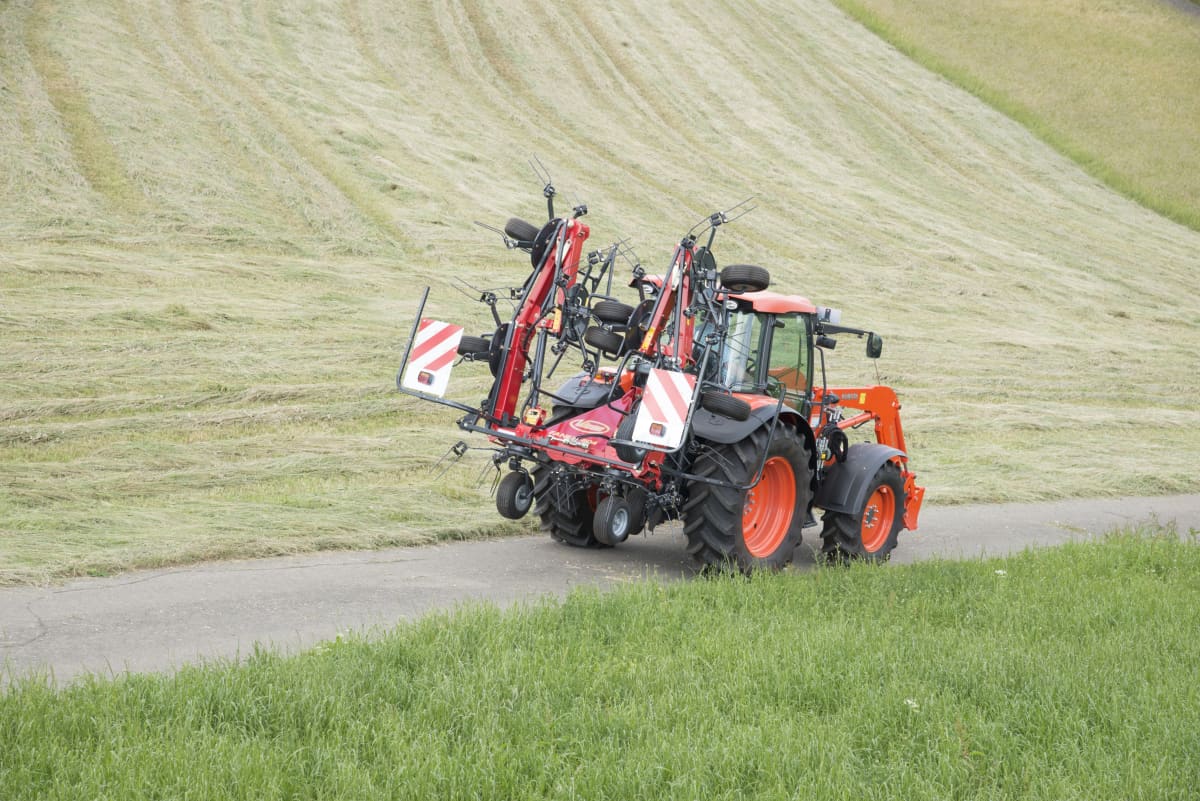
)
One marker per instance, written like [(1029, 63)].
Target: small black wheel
[(612, 311), (473, 346), (518, 229), (609, 342), (514, 495), (725, 405), (628, 453), (496, 349), (613, 520), (745, 278)]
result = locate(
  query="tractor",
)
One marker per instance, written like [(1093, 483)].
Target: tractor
[(705, 400)]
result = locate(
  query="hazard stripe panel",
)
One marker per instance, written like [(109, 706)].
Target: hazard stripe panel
[(432, 357), (662, 418)]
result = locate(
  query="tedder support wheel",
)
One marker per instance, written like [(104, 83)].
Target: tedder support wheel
[(602, 339), (473, 346), (514, 495), (870, 536), (745, 278), (755, 528), (518, 229), (725, 405), (566, 512), (612, 311)]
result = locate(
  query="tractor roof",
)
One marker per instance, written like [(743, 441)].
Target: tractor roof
[(769, 302)]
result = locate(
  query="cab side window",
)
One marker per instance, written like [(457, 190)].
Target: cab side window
[(791, 355)]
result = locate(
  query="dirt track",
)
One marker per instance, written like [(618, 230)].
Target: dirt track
[(156, 620)]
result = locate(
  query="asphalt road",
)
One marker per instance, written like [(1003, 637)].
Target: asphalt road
[(161, 619)]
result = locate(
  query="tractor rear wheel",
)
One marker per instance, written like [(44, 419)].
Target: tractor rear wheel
[(755, 528), (870, 535), (565, 511)]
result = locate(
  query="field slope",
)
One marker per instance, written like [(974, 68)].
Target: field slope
[(215, 217)]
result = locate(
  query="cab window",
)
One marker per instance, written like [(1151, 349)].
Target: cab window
[(791, 355)]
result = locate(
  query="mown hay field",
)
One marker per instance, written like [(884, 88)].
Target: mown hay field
[(215, 220)]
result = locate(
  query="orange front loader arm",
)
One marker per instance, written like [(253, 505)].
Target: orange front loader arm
[(881, 406)]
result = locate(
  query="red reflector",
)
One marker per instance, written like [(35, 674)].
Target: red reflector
[(657, 429), (425, 377)]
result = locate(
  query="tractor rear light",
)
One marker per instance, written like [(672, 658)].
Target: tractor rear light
[(425, 377), (658, 429)]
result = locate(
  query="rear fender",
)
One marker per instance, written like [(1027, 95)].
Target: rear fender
[(726, 431), (715, 428), (847, 485)]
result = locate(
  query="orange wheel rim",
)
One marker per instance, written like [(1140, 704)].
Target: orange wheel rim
[(769, 508), (878, 518)]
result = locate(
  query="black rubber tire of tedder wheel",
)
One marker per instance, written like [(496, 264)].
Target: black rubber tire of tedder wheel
[(473, 346), (518, 229), (602, 339), (725, 405), (745, 278), (565, 519), (514, 495), (628, 453), (723, 525), (612, 311), (865, 536)]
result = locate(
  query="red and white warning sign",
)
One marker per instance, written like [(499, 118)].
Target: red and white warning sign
[(664, 410), (433, 352)]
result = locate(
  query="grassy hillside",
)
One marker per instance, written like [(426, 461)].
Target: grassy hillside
[(1112, 84), (214, 219)]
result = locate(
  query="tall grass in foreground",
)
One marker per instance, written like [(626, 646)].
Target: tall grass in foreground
[(1059, 674)]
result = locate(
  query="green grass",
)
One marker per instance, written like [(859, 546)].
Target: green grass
[(1112, 85), (215, 219), (1056, 674)]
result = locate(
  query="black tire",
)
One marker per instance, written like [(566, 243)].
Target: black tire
[(745, 278), (867, 536), (496, 349), (628, 453), (612, 311), (635, 331), (749, 529), (725, 405), (518, 229), (602, 339), (613, 521), (473, 346), (514, 495), (566, 514)]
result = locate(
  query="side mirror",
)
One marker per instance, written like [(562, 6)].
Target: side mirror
[(874, 346)]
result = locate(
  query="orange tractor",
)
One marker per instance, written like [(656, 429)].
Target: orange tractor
[(704, 401)]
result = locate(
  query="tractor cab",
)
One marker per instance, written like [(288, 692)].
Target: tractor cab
[(768, 347)]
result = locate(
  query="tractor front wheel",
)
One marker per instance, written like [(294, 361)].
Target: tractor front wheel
[(751, 528), (871, 534)]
